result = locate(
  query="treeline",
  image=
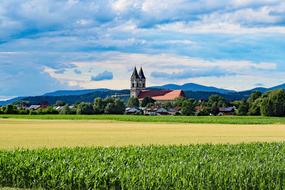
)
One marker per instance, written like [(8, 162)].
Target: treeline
[(100, 106), (268, 104)]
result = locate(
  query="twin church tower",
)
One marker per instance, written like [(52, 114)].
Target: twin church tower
[(138, 89), (137, 82)]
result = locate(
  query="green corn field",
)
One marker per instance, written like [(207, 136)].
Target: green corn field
[(242, 166)]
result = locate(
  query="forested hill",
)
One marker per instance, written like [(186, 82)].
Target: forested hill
[(72, 99), (74, 96)]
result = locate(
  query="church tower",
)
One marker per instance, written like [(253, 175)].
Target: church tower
[(137, 82)]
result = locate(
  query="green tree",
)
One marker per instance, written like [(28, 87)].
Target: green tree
[(146, 101), (203, 112), (99, 106), (179, 101), (10, 109), (218, 100), (188, 107), (215, 108), (66, 110), (243, 108), (167, 105), (84, 108), (118, 107), (254, 102), (254, 108), (273, 103), (133, 102), (254, 96)]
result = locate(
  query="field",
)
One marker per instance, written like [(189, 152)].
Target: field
[(15, 133), (94, 152), (243, 166), (166, 119)]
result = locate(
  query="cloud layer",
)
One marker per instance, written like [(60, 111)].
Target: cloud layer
[(106, 75), (50, 44)]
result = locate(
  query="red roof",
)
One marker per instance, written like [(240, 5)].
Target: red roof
[(161, 95)]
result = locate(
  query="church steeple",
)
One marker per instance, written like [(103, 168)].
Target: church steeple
[(135, 74), (141, 74), (137, 82)]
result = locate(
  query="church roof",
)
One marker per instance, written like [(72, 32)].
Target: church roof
[(141, 74), (135, 74), (161, 95)]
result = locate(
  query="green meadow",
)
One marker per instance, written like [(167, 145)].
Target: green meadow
[(167, 119)]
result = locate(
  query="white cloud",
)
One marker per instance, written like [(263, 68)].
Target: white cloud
[(121, 64)]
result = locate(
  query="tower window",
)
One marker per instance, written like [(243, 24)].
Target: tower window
[(133, 85)]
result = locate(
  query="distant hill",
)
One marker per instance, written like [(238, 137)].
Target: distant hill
[(278, 87), (72, 99), (194, 87), (75, 92), (191, 90), (11, 101)]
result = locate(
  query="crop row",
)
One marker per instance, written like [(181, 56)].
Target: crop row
[(243, 166)]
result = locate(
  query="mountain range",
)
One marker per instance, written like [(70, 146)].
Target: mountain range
[(191, 90)]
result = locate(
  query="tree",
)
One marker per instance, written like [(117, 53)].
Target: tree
[(147, 100), (254, 102), (10, 109), (254, 96), (273, 103), (84, 108), (48, 110), (133, 102), (118, 107), (254, 108), (218, 100), (179, 101), (67, 110), (203, 112), (188, 107), (99, 106), (167, 105), (243, 108), (215, 109)]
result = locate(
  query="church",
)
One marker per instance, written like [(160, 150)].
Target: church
[(138, 89)]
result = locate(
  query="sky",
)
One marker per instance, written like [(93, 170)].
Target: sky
[(52, 45)]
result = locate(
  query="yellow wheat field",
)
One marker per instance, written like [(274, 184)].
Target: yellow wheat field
[(55, 133)]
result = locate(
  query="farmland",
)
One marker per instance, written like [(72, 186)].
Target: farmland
[(167, 119), (16, 133), (243, 166), (110, 154)]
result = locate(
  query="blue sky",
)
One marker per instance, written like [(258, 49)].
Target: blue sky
[(71, 44)]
